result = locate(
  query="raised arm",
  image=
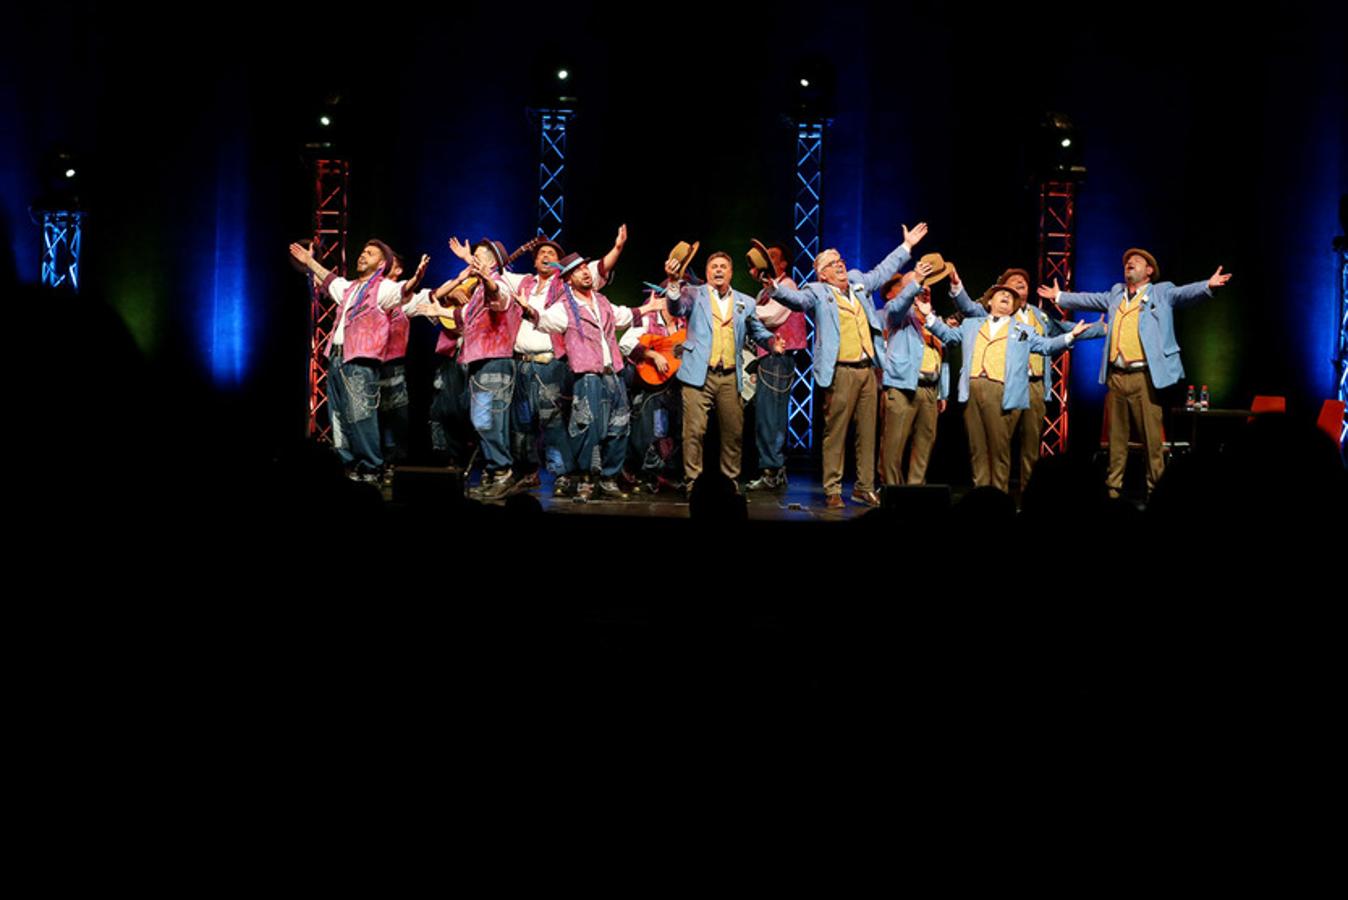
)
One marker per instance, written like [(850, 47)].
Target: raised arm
[(963, 302), (897, 308), (679, 295), (610, 259), (305, 257), (898, 257), (413, 284)]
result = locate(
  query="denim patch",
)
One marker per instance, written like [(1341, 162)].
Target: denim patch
[(581, 416), (363, 388), (480, 410), (554, 461), (549, 397)]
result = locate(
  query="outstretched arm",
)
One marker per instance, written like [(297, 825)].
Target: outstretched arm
[(1073, 300), (305, 257)]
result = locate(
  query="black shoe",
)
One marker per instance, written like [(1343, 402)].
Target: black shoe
[(564, 486)]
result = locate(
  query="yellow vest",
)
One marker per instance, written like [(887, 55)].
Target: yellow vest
[(854, 329), (722, 332), (1124, 339), (931, 361), (990, 354), (1030, 320)]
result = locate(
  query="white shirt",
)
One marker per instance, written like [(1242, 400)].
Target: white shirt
[(529, 339), (555, 320)]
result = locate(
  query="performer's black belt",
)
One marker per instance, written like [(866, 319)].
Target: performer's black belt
[(722, 370), (859, 364), (1034, 378)]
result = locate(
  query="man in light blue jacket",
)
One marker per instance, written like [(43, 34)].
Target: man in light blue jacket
[(1031, 424), (1143, 356), (712, 369), (849, 347), (995, 380), (916, 379)]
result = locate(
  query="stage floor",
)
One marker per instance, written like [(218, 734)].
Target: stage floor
[(802, 501)]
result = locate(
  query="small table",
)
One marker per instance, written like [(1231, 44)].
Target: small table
[(1195, 414)]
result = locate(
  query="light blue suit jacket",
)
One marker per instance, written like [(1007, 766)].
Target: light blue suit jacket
[(818, 298), (1020, 343), (1052, 328), (694, 304), (1156, 327), (904, 346)]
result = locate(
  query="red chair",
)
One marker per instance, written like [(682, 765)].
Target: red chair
[(1331, 420), (1264, 404)]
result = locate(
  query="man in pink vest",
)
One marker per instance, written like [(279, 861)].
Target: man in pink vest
[(543, 382), (355, 352), (600, 417), (491, 320)]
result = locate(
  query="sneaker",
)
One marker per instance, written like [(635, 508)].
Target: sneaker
[(609, 490), (564, 486), (584, 491), (500, 486), (525, 483), (768, 481), (866, 498)]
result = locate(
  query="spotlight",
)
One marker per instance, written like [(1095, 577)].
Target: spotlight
[(70, 173), (554, 79), (324, 121), (812, 88), (1057, 151)]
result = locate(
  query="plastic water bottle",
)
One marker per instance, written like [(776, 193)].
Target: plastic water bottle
[(1203, 399), (1189, 400)]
